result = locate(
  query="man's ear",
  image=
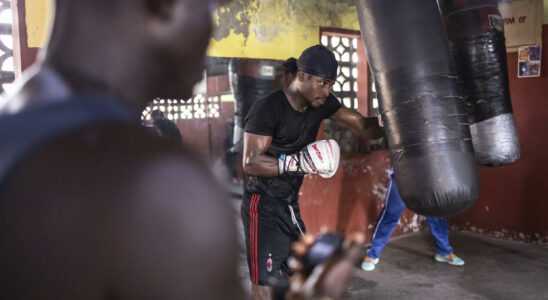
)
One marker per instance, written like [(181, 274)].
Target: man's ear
[(162, 9), (301, 75)]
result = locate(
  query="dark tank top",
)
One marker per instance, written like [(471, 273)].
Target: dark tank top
[(22, 133)]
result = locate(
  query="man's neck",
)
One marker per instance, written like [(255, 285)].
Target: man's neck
[(296, 100), (88, 76), (83, 79)]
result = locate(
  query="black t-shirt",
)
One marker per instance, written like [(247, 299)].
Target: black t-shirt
[(290, 131)]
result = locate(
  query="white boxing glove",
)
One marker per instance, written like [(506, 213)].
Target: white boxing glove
[(320, 157)]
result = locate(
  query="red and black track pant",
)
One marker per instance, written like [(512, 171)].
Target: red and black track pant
[(269, 233)]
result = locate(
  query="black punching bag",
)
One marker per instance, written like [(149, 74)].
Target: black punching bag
[(475, 30), (250, 80), (421, 105)]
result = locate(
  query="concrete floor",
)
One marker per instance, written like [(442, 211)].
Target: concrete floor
[(494, 269)]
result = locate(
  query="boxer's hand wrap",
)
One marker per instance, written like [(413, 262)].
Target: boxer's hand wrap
[(320, 157)]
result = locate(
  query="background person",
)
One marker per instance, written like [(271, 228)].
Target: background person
[(165, 127), (387, 222)]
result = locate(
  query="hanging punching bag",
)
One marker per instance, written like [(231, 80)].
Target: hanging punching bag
[(421, 105), (475, 30), (250, 80)]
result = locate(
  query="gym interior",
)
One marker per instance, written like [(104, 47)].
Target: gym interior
[(503, 237)]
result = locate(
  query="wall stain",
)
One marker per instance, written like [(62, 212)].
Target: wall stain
[(236, 17), (269, 19), (504, 233)]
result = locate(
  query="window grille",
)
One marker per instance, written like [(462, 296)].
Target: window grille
[(213, 107), (198, 107), (374, 101), (346, 53), (6, 48)]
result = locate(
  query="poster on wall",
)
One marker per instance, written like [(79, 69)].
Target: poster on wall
[(529, 61), (522, 22)]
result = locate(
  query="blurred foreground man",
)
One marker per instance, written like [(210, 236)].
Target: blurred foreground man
[(92, 206)]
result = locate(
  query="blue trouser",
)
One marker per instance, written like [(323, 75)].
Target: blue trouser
[(388, 220)]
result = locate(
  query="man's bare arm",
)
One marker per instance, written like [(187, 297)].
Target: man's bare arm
[(255, 160), (367, 127)]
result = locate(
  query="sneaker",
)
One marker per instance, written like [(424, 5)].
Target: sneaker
[(369, 263), (451, 259)]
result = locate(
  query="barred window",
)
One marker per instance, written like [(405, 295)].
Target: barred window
[(198, 107), (346, 53)]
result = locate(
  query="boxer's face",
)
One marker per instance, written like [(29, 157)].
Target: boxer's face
[(315, 89)]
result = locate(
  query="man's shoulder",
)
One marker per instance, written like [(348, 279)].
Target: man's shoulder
[(111, 161), (331, 105), (332, 97), (275, 95), (333, 100), (270, 103), (123, 145)]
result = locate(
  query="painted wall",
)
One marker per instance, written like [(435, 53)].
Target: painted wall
[(353, 198), (277, 29), (38, 18), (269, 29), (206, 136)]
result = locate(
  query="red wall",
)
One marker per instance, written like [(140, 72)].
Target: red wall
[(206, 136), (513, 201), (24, 56), (353, 198)]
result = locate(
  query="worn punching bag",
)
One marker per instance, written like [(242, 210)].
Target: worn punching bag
[(250, 80), (475, 30), (421, 105)]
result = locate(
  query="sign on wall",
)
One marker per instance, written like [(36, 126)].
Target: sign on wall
[(529, 61), (522, 22)]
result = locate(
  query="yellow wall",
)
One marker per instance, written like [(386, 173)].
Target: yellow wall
[(277, 29), (545, 12), (273, 29), (39, 13)]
